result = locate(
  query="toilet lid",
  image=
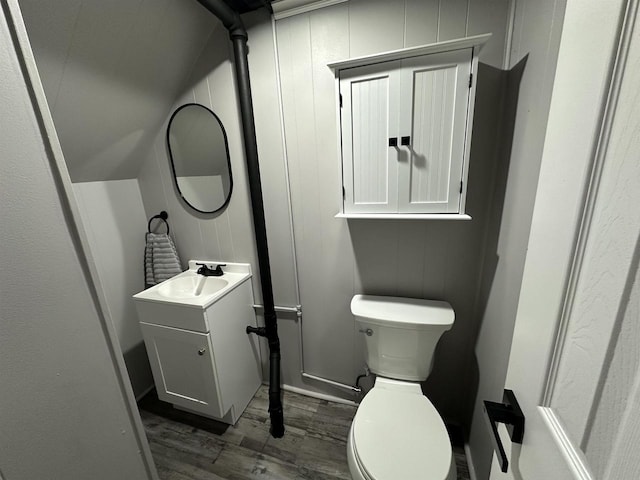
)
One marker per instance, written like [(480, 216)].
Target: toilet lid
[(400, 435)]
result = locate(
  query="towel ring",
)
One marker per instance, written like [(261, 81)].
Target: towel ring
[(162, 216)]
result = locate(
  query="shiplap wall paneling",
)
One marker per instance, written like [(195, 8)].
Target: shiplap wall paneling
[(266, 103), (336, 258), (115, 222), (213, 70), (275, 191), (329, 39), (374, 26), (485, 16), (217, 90), (229, 235), (185, 229), (422, 20), (226, 236), (452, 19), (272, 157), (306, 44)]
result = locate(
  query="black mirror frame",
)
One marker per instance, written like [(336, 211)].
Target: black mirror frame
[(226, 147)]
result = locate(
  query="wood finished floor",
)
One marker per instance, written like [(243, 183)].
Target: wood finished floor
[(188, 447)]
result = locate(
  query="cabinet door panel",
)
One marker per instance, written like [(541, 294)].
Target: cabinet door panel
[(435, 93), (183, 376), (370, 97)]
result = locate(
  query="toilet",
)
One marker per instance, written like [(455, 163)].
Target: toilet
[(397, 434)]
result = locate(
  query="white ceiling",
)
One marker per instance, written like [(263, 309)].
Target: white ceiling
[(111, 71)]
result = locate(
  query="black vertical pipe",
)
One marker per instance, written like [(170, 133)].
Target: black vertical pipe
[(238, 34)]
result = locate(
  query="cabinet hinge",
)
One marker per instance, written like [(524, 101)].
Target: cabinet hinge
[(340, 100), (460, 187), (470, 80), (344, 193)]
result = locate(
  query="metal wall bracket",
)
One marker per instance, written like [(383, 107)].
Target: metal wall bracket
[(511, 415)]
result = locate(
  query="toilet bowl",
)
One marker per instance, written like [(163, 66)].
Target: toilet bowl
[(397, 434)]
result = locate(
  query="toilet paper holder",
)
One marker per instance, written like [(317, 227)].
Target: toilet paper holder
[(511, 415)]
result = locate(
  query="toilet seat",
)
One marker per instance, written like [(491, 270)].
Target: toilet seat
[(397, 433)]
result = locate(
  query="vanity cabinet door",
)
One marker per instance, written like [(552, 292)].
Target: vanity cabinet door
[(371, 101), (404, 134), (183, 368), (433, 114)]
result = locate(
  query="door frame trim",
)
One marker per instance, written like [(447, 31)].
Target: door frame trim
[(591, 192), (576, 460)]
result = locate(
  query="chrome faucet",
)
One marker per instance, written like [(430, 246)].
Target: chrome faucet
[(210, 272)]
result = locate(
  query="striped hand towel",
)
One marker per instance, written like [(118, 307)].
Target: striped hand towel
[(161, 259)]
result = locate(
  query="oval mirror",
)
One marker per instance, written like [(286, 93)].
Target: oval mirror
[(199, 156)]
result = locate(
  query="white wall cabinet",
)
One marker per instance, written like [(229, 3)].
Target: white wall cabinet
[(405, 130)]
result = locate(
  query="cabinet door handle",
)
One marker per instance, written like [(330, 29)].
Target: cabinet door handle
[(393, 142), (405, 141), (201, 351)]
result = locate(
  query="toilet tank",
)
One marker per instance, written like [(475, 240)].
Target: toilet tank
[(401, 334)]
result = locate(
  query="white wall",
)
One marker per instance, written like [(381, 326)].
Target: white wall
[(536, 37), (227, 236), (115, 222), (110, 71), (337, 259), (62, 410)]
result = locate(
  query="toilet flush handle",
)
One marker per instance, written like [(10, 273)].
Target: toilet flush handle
[(368, 331)]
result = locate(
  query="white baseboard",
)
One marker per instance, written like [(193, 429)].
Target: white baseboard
[(321, 396), (470, 466)]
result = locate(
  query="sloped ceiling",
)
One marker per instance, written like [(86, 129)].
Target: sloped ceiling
[(111, 71)]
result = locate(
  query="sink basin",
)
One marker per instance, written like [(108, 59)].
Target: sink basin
[(190, 288), (195, 332)]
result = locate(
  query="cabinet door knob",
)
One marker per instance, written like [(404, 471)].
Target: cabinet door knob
[(393, 142), (201, 351), (405, 141)]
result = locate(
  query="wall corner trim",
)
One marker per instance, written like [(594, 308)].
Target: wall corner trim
[(288, 8)]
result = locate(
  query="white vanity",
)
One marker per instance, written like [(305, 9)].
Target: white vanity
[(194, 329)]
